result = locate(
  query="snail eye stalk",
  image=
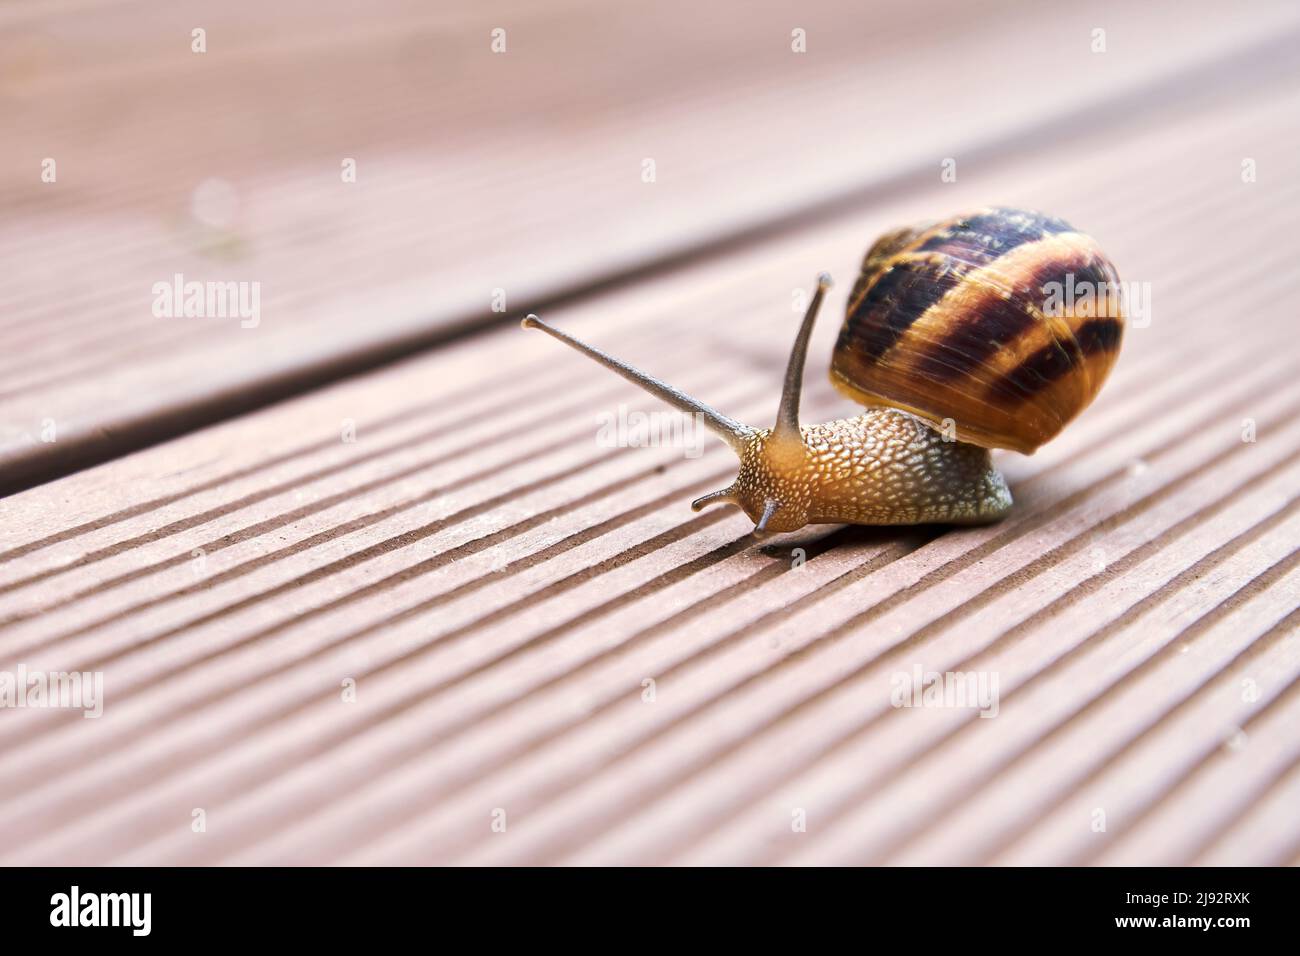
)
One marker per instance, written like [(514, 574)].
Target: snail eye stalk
[(787, 414)]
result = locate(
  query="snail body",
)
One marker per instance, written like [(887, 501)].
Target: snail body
[(883, 467), (958, 340)]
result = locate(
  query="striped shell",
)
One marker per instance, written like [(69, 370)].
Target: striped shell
[(963, 320)]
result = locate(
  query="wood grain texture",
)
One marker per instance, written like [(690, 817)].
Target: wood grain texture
[(500, 586), (478, 172)]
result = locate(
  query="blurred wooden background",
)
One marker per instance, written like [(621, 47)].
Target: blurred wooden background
[(497, 585)]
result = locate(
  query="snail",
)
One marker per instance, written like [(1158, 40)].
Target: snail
[(957, 340)]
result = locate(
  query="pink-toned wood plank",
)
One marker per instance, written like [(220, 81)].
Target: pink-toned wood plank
[(500, 586), (1214, 804), (1268, 833), (477, 172)]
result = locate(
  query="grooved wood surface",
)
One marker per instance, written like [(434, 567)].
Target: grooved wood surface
[(482, 179), (447, 538)]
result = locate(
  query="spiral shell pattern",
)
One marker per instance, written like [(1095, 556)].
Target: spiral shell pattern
[(1002, 321)]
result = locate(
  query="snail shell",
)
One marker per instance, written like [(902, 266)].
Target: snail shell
[(960, 320)]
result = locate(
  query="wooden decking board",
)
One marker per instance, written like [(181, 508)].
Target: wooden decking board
[(455, 478), (1219, 793), (1178, 750), (1195, 267), (1271, 656), (457, 417), (326, 255), (347, 498), (513, 392), (411, 788), (625, 505), (953, 790), (500, 586), (844, 707), (1268, 831), (1071, 743), (1009, 652)]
